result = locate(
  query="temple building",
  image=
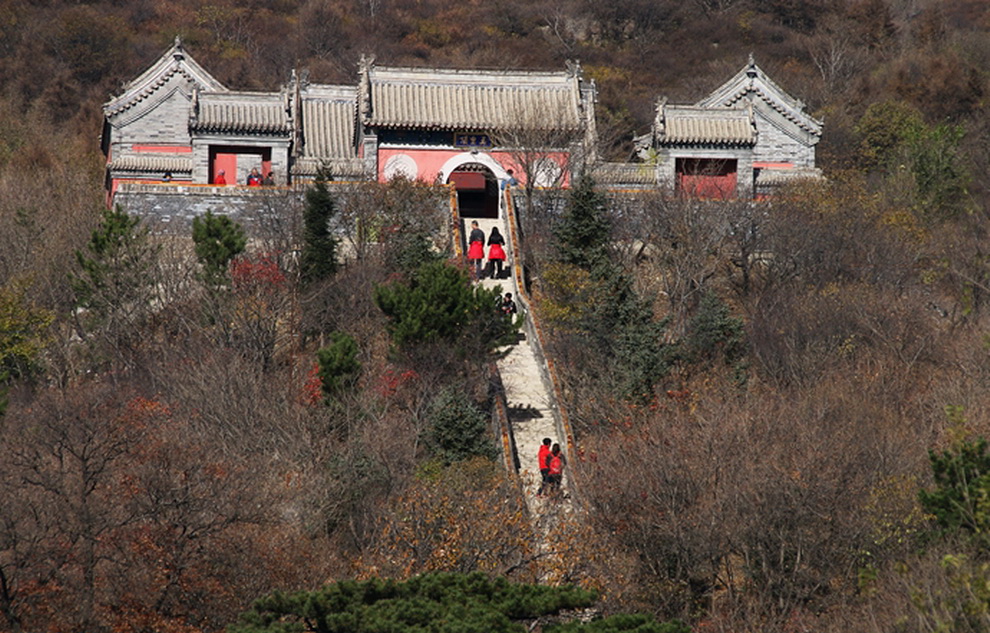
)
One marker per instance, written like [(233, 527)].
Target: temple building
[(176, 124), (743, 140), (463, 127)]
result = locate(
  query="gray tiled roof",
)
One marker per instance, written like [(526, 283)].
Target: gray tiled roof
[(617, 174), (240, 112), (752, 83), (175, 62), (459, 99), (141, 162), (340, 168), (329, 114), (690, 125)]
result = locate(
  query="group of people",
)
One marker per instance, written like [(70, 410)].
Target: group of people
[(552, 463), (253, 179), (476, 251)]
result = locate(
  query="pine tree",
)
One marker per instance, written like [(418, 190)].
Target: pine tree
[(218, 240), (338, 364), (433, 603), (583, 232), (318, 260), (115, 282), (439, 304), (622, 327), (458, 428), (116, 265), (714, 333)]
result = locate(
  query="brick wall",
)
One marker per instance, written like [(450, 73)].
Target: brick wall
[(170, 209), (163, 124), (773, 145)]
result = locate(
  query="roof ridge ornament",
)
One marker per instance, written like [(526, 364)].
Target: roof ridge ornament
[(751, 70), (365, 66), (573, 68), (661, 116), (752, 119), (194, 107), (179, 52)]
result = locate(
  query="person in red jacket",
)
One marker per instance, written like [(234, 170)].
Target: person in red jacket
[(555, 464), (221, 178), (541, 459), (476, 249), (496, 254)]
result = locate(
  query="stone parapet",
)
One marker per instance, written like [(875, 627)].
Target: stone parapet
[(170, 208)]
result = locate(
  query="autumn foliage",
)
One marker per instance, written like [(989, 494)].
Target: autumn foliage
[(760, 392)]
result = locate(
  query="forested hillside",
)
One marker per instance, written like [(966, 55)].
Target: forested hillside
[(778, 407)]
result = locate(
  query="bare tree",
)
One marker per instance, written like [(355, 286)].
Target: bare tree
[(376, 218), (546, 147), (683, 244), (715, 6), (836, 55)]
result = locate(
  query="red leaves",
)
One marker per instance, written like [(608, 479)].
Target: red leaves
[(257, 273), (312, 389), (392, 381)]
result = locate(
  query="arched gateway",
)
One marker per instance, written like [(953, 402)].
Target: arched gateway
[(477, 190)]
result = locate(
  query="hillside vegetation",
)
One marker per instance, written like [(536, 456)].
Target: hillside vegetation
[(778, 407)]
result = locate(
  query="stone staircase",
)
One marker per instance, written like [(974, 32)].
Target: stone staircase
[(531, 404)]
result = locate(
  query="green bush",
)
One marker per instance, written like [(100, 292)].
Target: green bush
[(434, 603), (961, 498), (338, 364), (458, 428), (438, 304), (218, 240)]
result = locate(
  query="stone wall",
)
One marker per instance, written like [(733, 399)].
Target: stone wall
[(166, 123), (773, 145), (170, 208)]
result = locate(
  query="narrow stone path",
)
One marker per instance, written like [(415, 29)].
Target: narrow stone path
[(530, 406)]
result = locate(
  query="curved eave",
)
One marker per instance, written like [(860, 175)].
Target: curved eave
[(704, 143), (175, 61), (151, 163), (281, 130), (469, 126), (804, 121)]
